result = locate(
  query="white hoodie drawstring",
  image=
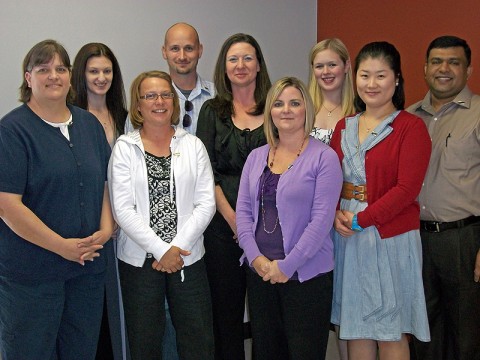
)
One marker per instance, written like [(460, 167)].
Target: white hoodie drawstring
[(171, 168)]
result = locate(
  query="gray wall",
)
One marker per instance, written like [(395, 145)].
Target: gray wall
[(134, 30)]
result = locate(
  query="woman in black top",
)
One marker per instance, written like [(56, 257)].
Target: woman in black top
[(231, 125), (98, 85)]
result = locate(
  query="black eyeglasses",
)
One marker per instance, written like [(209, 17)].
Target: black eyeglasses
[(155, 96), (187, 119)]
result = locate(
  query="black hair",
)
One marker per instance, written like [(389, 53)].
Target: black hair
[(387, 52), (448, 41)]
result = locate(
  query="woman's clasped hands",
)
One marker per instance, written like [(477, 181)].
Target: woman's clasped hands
[(343, 223), (172, 261), (269, 270)]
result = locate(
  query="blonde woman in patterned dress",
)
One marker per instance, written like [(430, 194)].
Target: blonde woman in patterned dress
[(331, 89), (330, 86)]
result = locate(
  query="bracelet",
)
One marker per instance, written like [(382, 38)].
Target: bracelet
[(355, 226)]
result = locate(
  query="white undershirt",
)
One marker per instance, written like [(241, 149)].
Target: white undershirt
[(62, 126)]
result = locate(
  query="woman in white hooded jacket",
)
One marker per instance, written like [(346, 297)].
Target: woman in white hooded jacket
[(162, 194)]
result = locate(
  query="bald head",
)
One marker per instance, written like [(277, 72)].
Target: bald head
[(181, 28), (182, 49)]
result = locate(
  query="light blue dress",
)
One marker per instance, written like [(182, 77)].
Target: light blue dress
[(378, 288)]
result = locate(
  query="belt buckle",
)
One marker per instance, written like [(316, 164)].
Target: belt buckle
[(360, 188), (360, 196), (433, 226), (359, 192)]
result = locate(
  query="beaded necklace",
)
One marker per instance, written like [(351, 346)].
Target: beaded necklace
[(275, 151)]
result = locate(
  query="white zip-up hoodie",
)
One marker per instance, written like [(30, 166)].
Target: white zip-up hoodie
[(129, 196)]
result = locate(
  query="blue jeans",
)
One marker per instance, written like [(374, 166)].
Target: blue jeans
[(51, 320), (188, 296)]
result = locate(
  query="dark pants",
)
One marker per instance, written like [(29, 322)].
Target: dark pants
[(290, 320), (453, 298), (228, 288), (112, 340), (51, 320), (104, 346), (169, 342), (144, 290)]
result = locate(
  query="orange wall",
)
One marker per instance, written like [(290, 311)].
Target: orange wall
[(408, 24)]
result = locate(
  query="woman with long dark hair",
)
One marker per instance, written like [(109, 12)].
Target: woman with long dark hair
[(231, 125), (97, 81), (98, 84)]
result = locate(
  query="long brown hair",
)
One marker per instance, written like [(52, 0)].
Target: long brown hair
[(223, 101), (116, 99)]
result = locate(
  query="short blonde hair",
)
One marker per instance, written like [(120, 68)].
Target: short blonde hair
[(271, 131), (348, 95), (135, 116)]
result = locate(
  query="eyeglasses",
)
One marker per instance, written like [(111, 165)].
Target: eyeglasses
[(187, 119), (155, 96)]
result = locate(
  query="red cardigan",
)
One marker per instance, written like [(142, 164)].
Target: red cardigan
[(395, 169)]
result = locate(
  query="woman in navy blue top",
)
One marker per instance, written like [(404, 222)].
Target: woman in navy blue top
[(55, 217)]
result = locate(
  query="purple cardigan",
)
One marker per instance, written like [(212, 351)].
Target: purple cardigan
[(307, 196)]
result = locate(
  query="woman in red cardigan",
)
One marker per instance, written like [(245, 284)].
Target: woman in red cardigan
[(384, 151)]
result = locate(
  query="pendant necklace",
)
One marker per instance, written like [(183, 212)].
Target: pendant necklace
[(367, 129), (108, 122), (329, 112)]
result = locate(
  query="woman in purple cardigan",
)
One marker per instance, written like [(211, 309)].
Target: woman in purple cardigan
[(285, 210)]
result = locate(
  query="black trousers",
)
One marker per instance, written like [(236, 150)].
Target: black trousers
[(188, 297), (290, 320), (452, 296), (228, 288)]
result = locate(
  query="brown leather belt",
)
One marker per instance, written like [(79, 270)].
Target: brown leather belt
[(357, 192)]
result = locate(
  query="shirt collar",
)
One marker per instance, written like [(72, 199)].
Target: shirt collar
[(201, 85), (463, 99)]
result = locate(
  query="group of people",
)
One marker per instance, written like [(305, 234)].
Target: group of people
[(140, 234)]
